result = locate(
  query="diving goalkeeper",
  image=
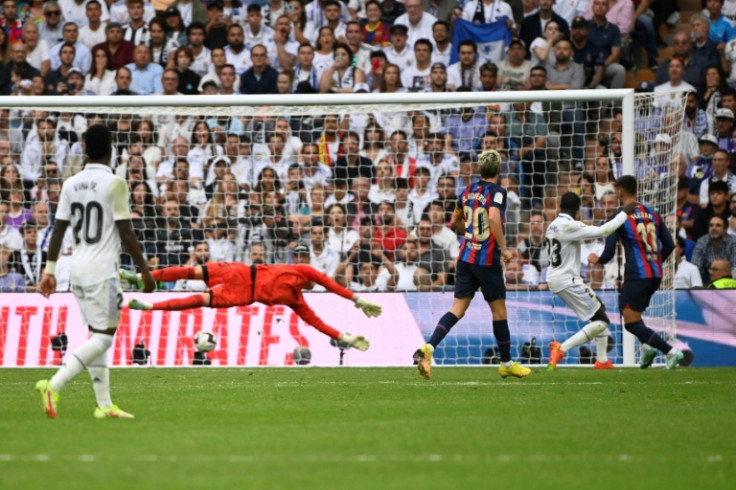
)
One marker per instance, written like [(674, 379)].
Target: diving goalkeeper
[(236, 284)]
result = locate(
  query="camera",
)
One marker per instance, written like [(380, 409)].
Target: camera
[(140, 355)]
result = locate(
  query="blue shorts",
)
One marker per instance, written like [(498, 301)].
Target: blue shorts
[(470, 277), (636, 293)]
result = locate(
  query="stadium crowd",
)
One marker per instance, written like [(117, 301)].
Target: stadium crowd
[(363, 198)]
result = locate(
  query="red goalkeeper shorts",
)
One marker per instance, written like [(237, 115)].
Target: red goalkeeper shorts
[(230, 284)]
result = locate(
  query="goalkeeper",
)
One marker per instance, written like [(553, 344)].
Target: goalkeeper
[(236, 284)]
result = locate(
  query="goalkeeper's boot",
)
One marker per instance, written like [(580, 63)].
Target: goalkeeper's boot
[(555, 355), (131, 277), (423, 357), (357, 341), (136, 304), (648, 358), (49, 397), (674, 357), (603, 365), (516, 370), (112, 412)]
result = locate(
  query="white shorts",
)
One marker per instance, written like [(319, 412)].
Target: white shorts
[(100, 303), (581, 299)]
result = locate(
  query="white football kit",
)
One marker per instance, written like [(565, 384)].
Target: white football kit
[(92, 201), (564, 236)]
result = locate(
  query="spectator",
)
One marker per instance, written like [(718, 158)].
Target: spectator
[(607, 37), (715, 86), (260, 78), (341, 76), (161, 48), (188, 79), (190, 11), (399, 53), (258, 254), (442, 235), (534, 25), (392, 9), (200, 256), (374, 31), (446, 195), (687, 213), (541, 49), (10, 236), (38, 50), (485, 11), (267, 181), (663, 96), (340, 238), (694, 67), (121, 51), (93, 31), (173, 238), (720, 172), (404, 208), (56, 78), (146, 76), (136, 30), (383, 189), (406, 266), (437, 160), (176, 28), (314, 172), (123, 79), (717, 244), (513, 72), (10, 281), (17, 64), (101, 77), (170, 82), (705, 49), (255, 32), (721, 29), (389, 233), (282, 50), (466, 72), (441, 42), (534, 247), (322, 257), (351, 164), (46, 144), (214, 34), (418, 22), (305, 71), (720, 275), (83, 56), (10, 21), (203, 148), (687, 276), (433, 259), (303, 29), (586, 54), (697, 121), (51, 28)]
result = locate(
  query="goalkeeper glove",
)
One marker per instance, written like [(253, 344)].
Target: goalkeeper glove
[(357, 341), (370, 309)]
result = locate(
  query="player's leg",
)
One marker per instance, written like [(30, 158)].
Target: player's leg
[(308, 315), (166, 274), (635, 297), (176, 304), (586, 305), (100, 306), (466, 284)]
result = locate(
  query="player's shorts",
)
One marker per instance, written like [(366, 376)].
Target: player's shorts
[(581, 299), (100, 303), (231, 284), (489, 278), (636, 293)]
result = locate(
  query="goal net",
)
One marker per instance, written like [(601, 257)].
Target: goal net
[(362, 187)]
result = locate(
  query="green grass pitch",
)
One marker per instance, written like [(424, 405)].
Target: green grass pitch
[(310, 428)]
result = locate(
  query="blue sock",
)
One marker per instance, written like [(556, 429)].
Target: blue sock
[(447, 321), (648, 336), (503, 337)]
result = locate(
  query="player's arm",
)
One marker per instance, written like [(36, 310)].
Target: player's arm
[(121, 215), (609, 251), (458, 221), (494, 218), (48, 282), (668, 244), (370, 309), (574, 234)]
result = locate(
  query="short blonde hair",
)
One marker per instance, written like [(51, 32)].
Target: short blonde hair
[(489, 163)]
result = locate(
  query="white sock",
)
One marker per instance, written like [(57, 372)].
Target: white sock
[(508, 364), (100, 375), (672, 352), (601, 347), (584, 335), (80, 359)]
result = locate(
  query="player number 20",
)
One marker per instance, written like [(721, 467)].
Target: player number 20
[(88, 217), (478, 217), (648, 235)]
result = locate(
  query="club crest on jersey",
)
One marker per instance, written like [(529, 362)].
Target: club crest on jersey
[(498, 198)]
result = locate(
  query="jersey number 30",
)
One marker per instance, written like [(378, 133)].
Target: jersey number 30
[(478, 218), (90, 218), (648, 234)]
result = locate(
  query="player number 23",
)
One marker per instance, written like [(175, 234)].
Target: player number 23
[(648, 234), (480, 222)]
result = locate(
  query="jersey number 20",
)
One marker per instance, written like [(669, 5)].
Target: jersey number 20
[(90, 218), (478, 217)]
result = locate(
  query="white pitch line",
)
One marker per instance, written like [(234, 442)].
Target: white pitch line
[(341, 459)]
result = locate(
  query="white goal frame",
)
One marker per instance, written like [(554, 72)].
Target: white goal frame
[(293, 104)]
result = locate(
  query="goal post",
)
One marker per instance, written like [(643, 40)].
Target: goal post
[(226, 189)]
